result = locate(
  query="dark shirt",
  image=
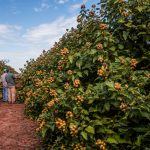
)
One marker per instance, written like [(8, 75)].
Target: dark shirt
[(10, 79)]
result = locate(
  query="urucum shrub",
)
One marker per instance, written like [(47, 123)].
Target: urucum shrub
[(91, 90)]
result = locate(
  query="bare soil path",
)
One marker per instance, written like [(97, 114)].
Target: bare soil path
[(17, 132)]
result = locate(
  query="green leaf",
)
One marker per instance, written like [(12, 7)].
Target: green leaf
[(107, 106), (110, 84), (43, 131), (142, 33), (125, 35), (97, 122), (90, 129), (112, 140), (86, 72), (84, 135), (129, 24), (120, 46), (79, 64), (70, 59), (105, 44), (109, 131), (94, 59), (91, 101), (113, 48), (139, 8), (79, 74), (59, 91), (93, 51), (121, 20), (138, 141)]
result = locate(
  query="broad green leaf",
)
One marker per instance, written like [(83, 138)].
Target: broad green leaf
[(107, 106), (97, 122), (138, 141), (121, 20), (142, 33), (120, 46), (109, 131), (70, 59), (43, 131), (84, 135), (79, 64), (113, 48), (110, 84), (79, 74), (91, 101), (139, 8), (93, 51), (86, 72), (90, 129), (112, 140), (129, 24), (125, 35)]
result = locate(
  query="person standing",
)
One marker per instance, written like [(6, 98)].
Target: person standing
[(5, 88), (10, 79)]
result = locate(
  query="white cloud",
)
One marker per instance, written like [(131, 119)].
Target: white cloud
[(42, 7), (61, 1), (32, 42), (47, 33), (75, 7), (8, 28), (9, 33), (84, 1)]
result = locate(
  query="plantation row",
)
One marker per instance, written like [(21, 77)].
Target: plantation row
[(91, 90)]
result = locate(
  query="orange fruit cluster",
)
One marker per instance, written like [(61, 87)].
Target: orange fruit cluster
[(64, 51), (103, 26), (69, 114), (101, 144), (123, 106), (79, 99), (99, 46), (102, 70), (50, 80), (62, 147), (60, 124), (88, 44), (66, 86), (51, 103), (53, 92), (73, 130), (38, 82), (125, 14), (69, 72), (121, 1), (91, 13), (148, 75), (79, 147), (100, 59), (117, 86), (76, 83), (133, 63), (29, 93), (59, 67)]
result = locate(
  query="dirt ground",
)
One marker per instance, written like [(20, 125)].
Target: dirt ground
[(17, 132)]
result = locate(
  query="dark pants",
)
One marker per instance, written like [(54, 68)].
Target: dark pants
[(5, 94)]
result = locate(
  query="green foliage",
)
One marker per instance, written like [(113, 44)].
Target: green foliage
[(91, 90)]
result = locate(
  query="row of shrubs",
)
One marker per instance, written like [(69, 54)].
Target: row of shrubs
[(91, 90)]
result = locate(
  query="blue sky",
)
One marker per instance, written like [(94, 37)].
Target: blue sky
[(29, 26)]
